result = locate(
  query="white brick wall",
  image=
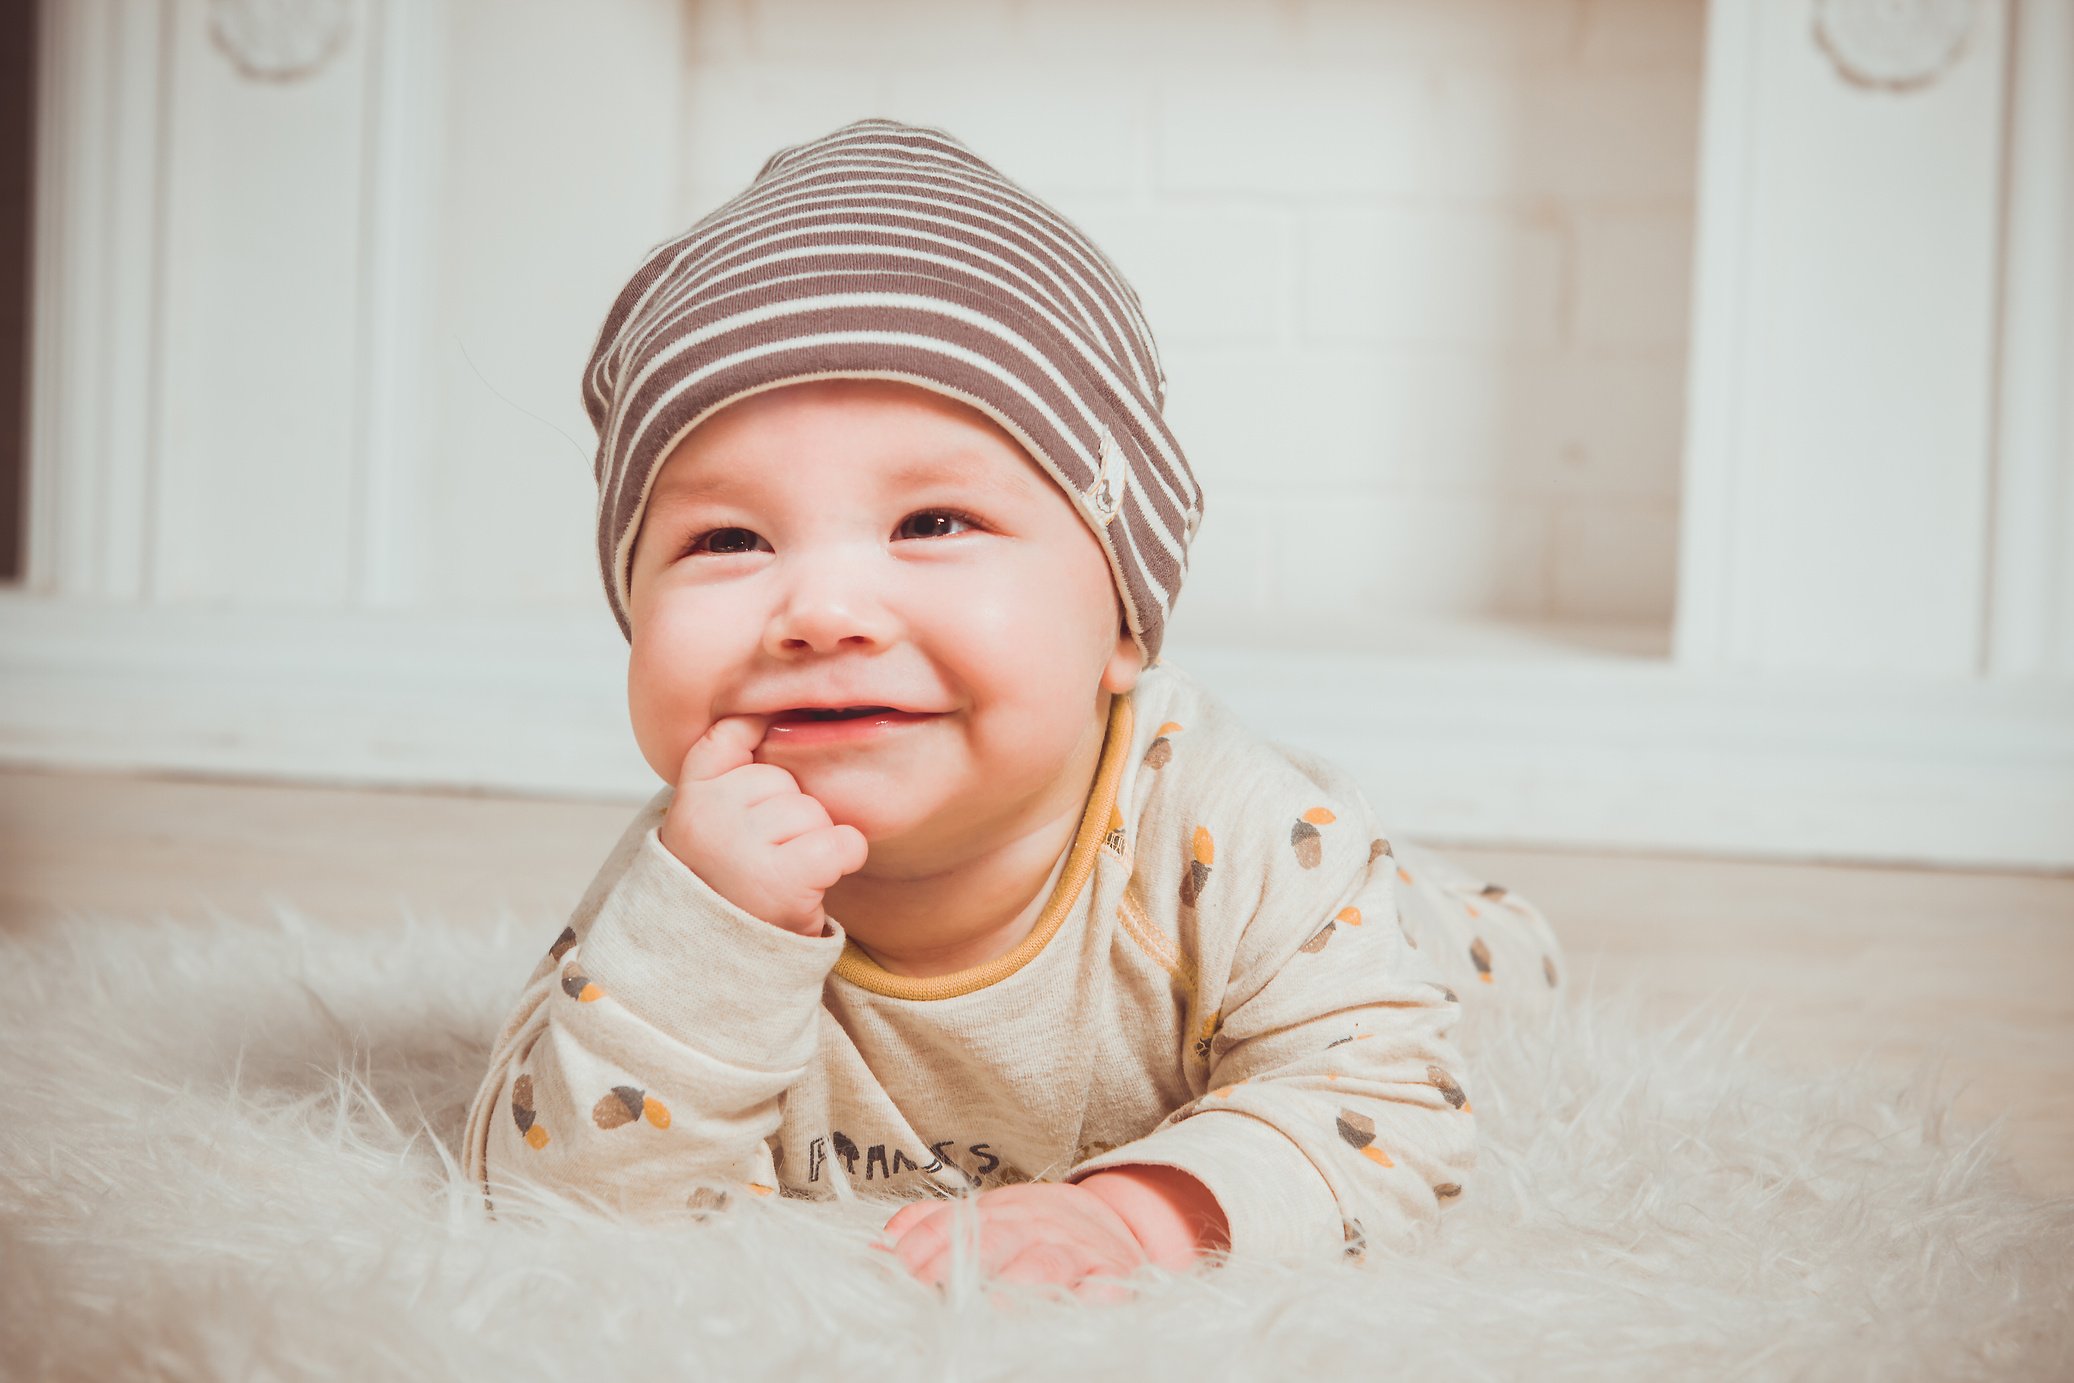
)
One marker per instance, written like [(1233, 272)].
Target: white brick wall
[(1419, 268)]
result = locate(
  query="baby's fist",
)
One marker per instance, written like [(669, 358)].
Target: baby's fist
[(748, 830), (1037, 1232)]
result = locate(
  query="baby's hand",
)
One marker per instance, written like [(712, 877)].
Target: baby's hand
[(1037, 1232), (752, 835)]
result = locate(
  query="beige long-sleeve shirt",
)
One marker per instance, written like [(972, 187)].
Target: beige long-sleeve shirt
[(1235, 973)]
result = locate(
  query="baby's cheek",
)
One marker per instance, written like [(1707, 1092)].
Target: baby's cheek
[(666, 707)]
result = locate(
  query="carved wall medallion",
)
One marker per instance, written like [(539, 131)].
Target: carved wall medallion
[(1894, 45), (279, 40)]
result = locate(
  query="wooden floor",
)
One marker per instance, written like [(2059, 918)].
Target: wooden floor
[(1835, 962)]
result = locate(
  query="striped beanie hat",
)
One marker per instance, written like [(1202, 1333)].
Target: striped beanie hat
[(891, 251)]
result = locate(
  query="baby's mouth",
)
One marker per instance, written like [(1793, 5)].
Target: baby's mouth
[(802, 714), (806, 726)]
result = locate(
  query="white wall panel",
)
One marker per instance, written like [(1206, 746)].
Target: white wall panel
[(258, 373), (561, 169), (400, 280), (2031, 596), (93, 440), (1839, 459)]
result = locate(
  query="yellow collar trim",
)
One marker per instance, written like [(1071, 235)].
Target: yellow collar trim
[(864, 972)]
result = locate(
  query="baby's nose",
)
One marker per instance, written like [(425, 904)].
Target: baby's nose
[(829, 604)]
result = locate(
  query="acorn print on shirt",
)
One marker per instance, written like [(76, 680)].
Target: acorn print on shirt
[(707, 1200), (562, 944), (1379, 849), (578, 986), (1443, 1082), (1347, 917), (1359, 1132), (1304, 837), (624, 1105), (1481, 954), (1202, 853), (1162, 748), (532, 1131)]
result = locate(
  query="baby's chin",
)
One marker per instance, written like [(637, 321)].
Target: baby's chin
[(882, 801)]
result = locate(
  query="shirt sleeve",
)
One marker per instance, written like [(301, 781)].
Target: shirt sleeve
[(642, 1068), (1333, 1109)]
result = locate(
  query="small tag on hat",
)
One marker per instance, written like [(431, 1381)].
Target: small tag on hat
[(1105, 496)]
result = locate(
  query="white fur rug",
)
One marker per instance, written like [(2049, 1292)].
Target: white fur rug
[(226, 1152)]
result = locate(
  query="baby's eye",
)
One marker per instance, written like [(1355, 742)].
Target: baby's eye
[(733, 542), (724, 542), (933, 521)]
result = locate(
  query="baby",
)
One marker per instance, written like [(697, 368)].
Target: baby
[(954, 887)]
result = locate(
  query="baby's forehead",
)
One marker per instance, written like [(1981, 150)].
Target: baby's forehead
[(889, 434)]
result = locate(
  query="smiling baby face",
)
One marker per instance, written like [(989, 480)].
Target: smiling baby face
[(868, 542)]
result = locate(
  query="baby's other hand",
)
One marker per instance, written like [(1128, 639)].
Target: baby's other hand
[(1041, 1232), (749, 831)]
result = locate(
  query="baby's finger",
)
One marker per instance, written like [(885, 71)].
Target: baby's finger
[(935, 1270), (1102, 1289), (786, 817), (728, 743), (924, 1238), (1044, 1261), (747, 785), (905, 1217), (902, 1221), (926, 1251), (819, 858)]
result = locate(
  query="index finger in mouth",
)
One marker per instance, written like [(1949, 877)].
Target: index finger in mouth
[(726, 745)]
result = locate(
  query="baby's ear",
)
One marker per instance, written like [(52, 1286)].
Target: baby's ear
[(1125, 663)]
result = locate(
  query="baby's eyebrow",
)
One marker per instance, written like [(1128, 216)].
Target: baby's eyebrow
[(953, 470), (956, 468)]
